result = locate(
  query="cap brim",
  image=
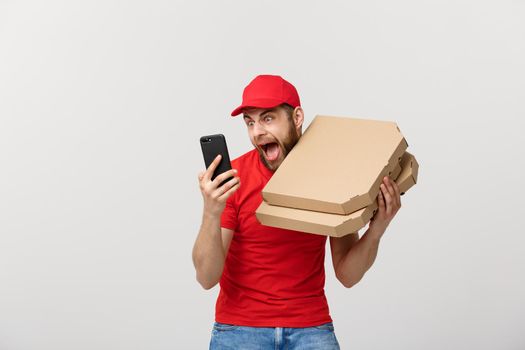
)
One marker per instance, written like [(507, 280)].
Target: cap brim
[(262, 103)]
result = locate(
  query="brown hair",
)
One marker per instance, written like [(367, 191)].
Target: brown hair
[(288, 109)]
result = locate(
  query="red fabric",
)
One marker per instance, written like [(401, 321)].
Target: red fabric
[(272, 277), (268, 91)]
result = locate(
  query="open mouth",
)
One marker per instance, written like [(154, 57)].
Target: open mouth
[(271, 150)]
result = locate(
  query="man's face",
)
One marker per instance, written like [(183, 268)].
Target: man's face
[(273, 133)]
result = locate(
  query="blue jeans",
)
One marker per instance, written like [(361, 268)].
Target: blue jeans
[(231, 337)]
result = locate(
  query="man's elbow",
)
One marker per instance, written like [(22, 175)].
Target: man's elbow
[(206, 283), (207, 286), (349, 281), (205, 278)]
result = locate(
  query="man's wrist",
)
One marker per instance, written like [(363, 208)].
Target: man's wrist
[(375, 233), (210, 216)]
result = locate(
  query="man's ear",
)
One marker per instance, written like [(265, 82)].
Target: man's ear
[(298, 117)]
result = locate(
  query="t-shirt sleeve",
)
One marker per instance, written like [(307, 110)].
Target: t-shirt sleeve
[(229, 215)]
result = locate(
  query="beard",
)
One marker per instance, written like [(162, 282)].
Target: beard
[(285, 147)]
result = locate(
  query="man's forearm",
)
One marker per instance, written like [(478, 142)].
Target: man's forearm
[(352, 267), (208, 253)]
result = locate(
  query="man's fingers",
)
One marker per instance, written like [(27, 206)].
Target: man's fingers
[(386, 194), (209, 172), (201, 176), (390, 189), (225, 175), (228, 193), (397, 193), (381, 200), (224, 188), (388, 199), (394, 196)]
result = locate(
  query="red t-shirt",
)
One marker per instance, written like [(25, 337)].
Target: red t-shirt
[(272, 277)]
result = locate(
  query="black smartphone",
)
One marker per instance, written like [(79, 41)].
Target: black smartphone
[(213, 145)]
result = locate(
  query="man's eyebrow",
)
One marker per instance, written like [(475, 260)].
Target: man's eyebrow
[(245, 116), (266, 112)]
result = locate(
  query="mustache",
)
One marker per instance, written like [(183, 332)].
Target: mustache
[(266, 141)]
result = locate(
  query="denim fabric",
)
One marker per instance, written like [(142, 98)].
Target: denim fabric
[(230, 337)]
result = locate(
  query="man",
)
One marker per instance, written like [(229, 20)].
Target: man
[(272, 280)]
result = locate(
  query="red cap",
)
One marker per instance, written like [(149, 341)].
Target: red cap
[(268, 91)]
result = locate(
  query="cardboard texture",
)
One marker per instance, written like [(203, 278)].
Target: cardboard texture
[(336, 225), (337, 165)]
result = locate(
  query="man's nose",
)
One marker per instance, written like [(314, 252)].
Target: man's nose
[(258, 129)]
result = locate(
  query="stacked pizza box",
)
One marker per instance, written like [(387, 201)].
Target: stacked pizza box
[(329, 183)]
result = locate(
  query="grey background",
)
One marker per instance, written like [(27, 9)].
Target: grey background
[(102, 104)]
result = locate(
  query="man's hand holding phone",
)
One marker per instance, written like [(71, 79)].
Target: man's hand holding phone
[(214, 195)]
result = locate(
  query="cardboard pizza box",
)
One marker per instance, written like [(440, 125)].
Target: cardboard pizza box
[(336, 225), (337, 165)]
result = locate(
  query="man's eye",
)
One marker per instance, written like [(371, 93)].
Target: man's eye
[(249, 123), (267, 119)]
